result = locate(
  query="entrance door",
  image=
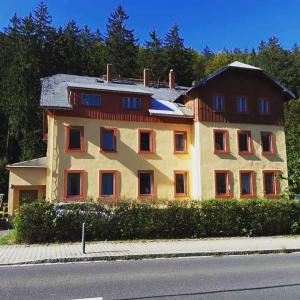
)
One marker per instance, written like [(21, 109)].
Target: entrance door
[(27, 196)]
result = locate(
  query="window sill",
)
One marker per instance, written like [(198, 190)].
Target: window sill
[(74, 151), (145, 197), (225, 196), (108, 151), (271, 195), (221, 152), (247, 196), (74, 198), (246, 153), (180, 152), (181, 196), (269, 153), (145, 152)]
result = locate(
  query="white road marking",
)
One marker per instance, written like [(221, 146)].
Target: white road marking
[(98, 298)]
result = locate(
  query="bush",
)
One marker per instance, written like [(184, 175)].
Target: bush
[(45, 222)]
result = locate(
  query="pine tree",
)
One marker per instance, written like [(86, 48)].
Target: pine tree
[(121, 44)]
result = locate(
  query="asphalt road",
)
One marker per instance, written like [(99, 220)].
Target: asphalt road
[(230, 277)]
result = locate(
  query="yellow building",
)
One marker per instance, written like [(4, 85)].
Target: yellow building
[(112, 138)]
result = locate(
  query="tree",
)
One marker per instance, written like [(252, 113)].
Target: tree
[(121, 44), (178, 57)]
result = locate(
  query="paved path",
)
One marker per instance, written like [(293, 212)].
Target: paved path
[(16, 254), (210, 278)]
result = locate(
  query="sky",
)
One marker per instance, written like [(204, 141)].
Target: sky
[(216, 23)]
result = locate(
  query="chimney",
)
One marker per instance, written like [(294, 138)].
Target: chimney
[(146, 77), (172, 79), (109, 72)]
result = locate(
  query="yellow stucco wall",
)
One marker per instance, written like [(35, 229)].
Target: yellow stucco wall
[(126, 161), (25, 179), (235, 162)]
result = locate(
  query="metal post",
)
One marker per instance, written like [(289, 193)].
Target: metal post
[(83, 238)]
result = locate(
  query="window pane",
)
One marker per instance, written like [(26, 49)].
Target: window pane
[(107, 184), (131, 103), (217, 103), (243, 142), (90, 100), (73, 184), (27, 196), (74, 138), (219, 141), (145, 141), (180, 183), (266, 142), (269, 183), (180, 142), (245, 183), (221, 183), (242, 104), (108, 140), (263, 106), (145, 183)]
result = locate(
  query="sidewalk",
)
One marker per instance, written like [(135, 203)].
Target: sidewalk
[(25, 254)]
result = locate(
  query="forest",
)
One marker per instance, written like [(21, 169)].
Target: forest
[(32, 48)]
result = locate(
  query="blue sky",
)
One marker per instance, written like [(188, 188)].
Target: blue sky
[(217, 23)]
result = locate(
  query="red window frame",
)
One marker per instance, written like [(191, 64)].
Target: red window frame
[(185, 173), (228, 184), (250, 142), (177, 132), (81, 197), (114, 172), (252, 184), (272, 143), (222, 103), (114, 130), (151, 141), (152, 184), (247, 105), (276, 184), (269, 106), (67, 139), (225, 141)]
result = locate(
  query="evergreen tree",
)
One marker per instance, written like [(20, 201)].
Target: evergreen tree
[(121, 44)]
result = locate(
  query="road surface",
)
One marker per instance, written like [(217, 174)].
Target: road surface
[(228, 277)]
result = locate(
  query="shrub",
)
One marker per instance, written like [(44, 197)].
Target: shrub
[(125, 219)]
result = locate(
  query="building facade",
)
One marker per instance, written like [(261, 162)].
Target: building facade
[(111, 138)]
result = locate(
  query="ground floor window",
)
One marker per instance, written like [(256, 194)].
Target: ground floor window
[(246, 184), (27, 196), (107, 183), (180, 181), (222, 184), (73, 185), (271, 184), (146, 183)]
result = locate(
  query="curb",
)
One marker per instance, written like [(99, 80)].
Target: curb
[(148, 256)]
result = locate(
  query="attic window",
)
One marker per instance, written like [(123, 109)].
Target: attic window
[(90, 100), (131, 103)]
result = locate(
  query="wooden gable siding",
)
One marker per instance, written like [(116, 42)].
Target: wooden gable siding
[(233, 83)]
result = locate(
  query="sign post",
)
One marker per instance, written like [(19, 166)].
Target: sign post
[(83, 238)]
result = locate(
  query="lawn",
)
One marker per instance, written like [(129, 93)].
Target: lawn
[(8, 238)]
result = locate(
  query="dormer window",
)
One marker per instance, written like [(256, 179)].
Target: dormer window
[(131, 103), (90, 100), (264, 106), (217, 103), (241, 104)]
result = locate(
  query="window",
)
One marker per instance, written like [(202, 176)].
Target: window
[(246, 184), (220, 141), (145, 141), (180, 142), (218, 103), (180, 180), (27, 196), (271, 184), (108, 139), (264, 106), (244, 142), (146, 183), (90, 100), (222, 184), (131, 103), (73, 189), (107, 184), (74, 139), (267, 142), (241, 104)]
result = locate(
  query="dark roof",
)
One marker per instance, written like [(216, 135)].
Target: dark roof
[(236, 65)]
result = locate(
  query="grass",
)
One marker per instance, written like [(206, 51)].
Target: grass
[(8, 238)]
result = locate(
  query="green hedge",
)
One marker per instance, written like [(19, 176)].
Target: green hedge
[(46, 222)]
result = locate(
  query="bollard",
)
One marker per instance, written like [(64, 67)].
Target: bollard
[(83, 238)]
